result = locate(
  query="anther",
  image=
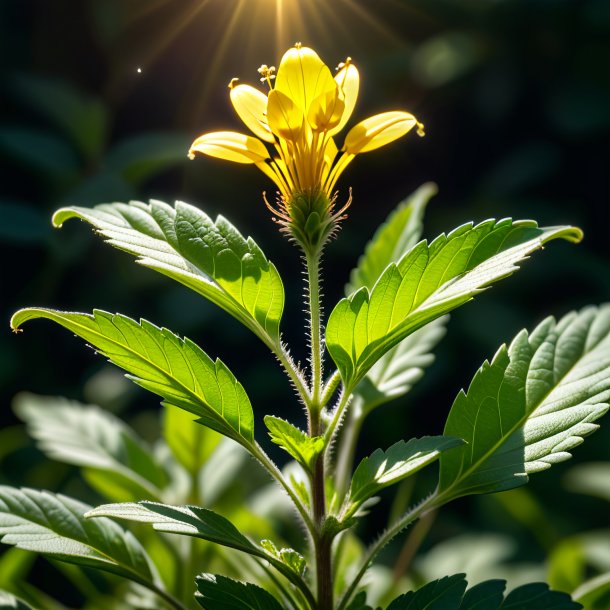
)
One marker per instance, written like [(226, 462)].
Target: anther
[(297, 45), (233, 82), (420, 130)]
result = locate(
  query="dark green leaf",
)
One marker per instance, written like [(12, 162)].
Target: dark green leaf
[(428, 282), (54, 525), (175, 369), (530, 406), (443, 594), (210, 257), (303, 448), (536, 596), (221, 593)]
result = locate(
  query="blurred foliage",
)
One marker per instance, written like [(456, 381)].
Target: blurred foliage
[(101, 100)]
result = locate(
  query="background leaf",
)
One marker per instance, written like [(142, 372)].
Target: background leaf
[(210, 257), (221, 593), (530, 406), (10, 602), (176, 369), (54, 525), (428, 282), (85, 435)]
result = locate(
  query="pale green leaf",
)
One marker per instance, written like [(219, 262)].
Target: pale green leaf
[(401, 460), (87, 436), (303, 448), (395, 372), (210, 257), (9, 602), (190, 444), (396, 236), (54, 525), (293, 559), (221, 593), (428, 282), (530, 406), (176, 369)]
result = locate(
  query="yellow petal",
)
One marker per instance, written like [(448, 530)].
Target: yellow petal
[(377, 131), (326, 111), (285, 118), (230, 146), (303, 76), (251, 106), (348, 80)]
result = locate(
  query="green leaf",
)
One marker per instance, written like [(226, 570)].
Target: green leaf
[(190, 444), (394, 374), (54, 526), (530, 406), (401, 460), (396, 236), (222, 593), (83, 119), (303, 448), (359, 602), (85, 435), (192, 521), (448, 593), (428, 282), (443, 594), (176, 369), (210, 257), (10, 602), (293, 559)]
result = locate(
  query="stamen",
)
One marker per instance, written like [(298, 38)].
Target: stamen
[(297, 45), (233, 83), (420, 130), (343, 64), (267, 74)]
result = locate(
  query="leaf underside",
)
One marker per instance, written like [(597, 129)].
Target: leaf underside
[(210, 257), (176, 369), (428, 282), (55, 526), (394, 374), (531, 405)]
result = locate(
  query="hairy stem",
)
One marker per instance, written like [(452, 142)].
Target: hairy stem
[(347, 447), (374, 549), (315, 338)]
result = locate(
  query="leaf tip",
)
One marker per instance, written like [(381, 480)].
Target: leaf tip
[(61, 215)]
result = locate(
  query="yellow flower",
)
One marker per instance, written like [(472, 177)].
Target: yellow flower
[(297, 120)]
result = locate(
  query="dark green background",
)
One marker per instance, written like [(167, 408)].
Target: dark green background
[(515, 96)]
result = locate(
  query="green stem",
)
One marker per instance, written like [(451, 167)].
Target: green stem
[(374, 549), (329, 388), (338, 414), (315, 312), (293, 373)]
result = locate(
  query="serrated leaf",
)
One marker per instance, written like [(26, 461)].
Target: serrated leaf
[(428, 282), (303, 448), (210, 257), (395, 372), (384, 468), (221, 593), (190, 521), (397, 235), (448, 593), (54, 525), (530, 406), (443, 594), (9, 602), (176, 369), (87, 436), (293, 559)]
